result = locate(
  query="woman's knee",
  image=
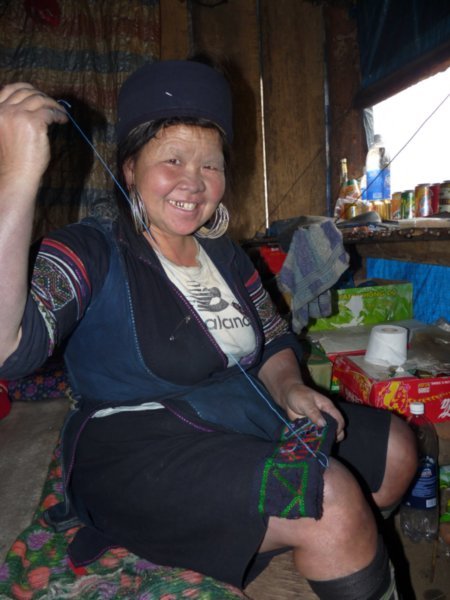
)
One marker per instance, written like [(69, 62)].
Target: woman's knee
[(345, 514), (344, 502), (401, 463)]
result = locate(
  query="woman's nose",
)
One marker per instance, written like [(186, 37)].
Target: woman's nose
[(193, 180)]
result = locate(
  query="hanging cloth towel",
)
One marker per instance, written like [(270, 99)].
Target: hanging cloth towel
[(315, 260)]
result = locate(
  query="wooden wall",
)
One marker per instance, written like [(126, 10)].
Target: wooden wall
[(283, 167), (293, 51), (347, 137), (232, 36)]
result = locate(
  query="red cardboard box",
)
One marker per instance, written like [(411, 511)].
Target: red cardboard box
[(351, 341), (367, 384), (273, 256), (5, 404)]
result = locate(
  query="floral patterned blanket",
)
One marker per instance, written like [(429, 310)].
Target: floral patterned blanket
[(37, 567)]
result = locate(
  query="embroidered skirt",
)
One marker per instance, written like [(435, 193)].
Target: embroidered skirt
[(184, 493)]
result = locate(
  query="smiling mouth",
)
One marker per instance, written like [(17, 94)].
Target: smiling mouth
[(188, 206)]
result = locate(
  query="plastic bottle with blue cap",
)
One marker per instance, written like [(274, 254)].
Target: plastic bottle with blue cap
[(378, 171), (419, 511)]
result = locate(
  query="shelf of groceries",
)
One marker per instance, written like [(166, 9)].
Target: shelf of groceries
[(365, 215), (434, 228)]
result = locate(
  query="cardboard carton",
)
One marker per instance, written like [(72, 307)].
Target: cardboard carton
[(376, 386), (352, 341), (371, 305), (319, 368)]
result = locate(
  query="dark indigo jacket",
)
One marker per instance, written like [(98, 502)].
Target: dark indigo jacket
[(106, 367)]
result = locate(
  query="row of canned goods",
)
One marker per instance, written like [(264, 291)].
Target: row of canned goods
[(423, 201)]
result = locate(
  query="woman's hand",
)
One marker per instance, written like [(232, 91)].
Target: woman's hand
[(281, 376), (299, 400), (25, 114)]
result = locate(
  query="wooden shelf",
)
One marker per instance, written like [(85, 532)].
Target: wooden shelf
[(429, 245)]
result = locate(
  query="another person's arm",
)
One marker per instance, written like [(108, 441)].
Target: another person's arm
[(25, 114)]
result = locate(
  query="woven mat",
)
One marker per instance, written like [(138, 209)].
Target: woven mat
[(37, 566)]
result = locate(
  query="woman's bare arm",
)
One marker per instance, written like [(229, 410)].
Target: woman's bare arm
[(282, 377), (25, 114)]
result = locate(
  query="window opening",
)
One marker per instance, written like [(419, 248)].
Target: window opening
[(424, 159)]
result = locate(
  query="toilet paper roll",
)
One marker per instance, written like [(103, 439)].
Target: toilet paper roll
[(387, 345)]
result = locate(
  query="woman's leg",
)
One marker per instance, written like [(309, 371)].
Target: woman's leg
[(401, 464), (380, 450), (341, 554), (341, 542)]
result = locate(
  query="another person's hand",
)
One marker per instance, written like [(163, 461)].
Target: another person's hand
[(25, 114), (302, 401)]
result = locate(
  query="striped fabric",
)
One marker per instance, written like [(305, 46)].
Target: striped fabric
[(273, 324), (82, 59)]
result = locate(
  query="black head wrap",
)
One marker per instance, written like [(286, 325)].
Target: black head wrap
[(174, 88)]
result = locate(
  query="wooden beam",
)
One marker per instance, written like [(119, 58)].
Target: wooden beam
[(428, 252), (229, 33), (347, 137), (423, 67), (293, 68), (174, 24)]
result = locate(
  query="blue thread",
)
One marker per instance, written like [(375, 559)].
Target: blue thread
[(108, 170), (320, 456)]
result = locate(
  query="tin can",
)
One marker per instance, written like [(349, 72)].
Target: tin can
[(396, 206), (422, 198), (435, 189), (350, 210), (378, 207), (408, 205), (444, 196)]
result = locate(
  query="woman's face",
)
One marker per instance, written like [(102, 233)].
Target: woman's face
[(180, 176)]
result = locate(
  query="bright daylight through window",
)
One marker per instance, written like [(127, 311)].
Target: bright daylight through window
[(421, 112)]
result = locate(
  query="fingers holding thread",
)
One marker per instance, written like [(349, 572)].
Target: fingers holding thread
[(23, 100), (25, 115), (14, 89)]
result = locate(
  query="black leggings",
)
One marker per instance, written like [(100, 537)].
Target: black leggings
[(364, 449)]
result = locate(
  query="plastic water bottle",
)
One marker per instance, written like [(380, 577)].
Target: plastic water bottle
[(444, 527), (378, 171), (419, 512)]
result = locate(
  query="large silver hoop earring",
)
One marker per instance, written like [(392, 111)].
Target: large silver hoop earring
[(217, 225), (138, 212)]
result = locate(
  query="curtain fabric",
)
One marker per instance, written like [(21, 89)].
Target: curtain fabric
[(79, 51)]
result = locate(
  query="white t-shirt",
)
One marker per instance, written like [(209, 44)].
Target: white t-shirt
[(208, 293)]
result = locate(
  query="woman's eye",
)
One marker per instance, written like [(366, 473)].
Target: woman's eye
[(173, 161), (213, 167)]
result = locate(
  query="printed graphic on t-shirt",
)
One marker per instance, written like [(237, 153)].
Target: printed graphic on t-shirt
[(209, 299), (225, 314), (208, 293)]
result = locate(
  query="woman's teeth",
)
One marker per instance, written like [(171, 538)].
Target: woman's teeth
[(183, 205)]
